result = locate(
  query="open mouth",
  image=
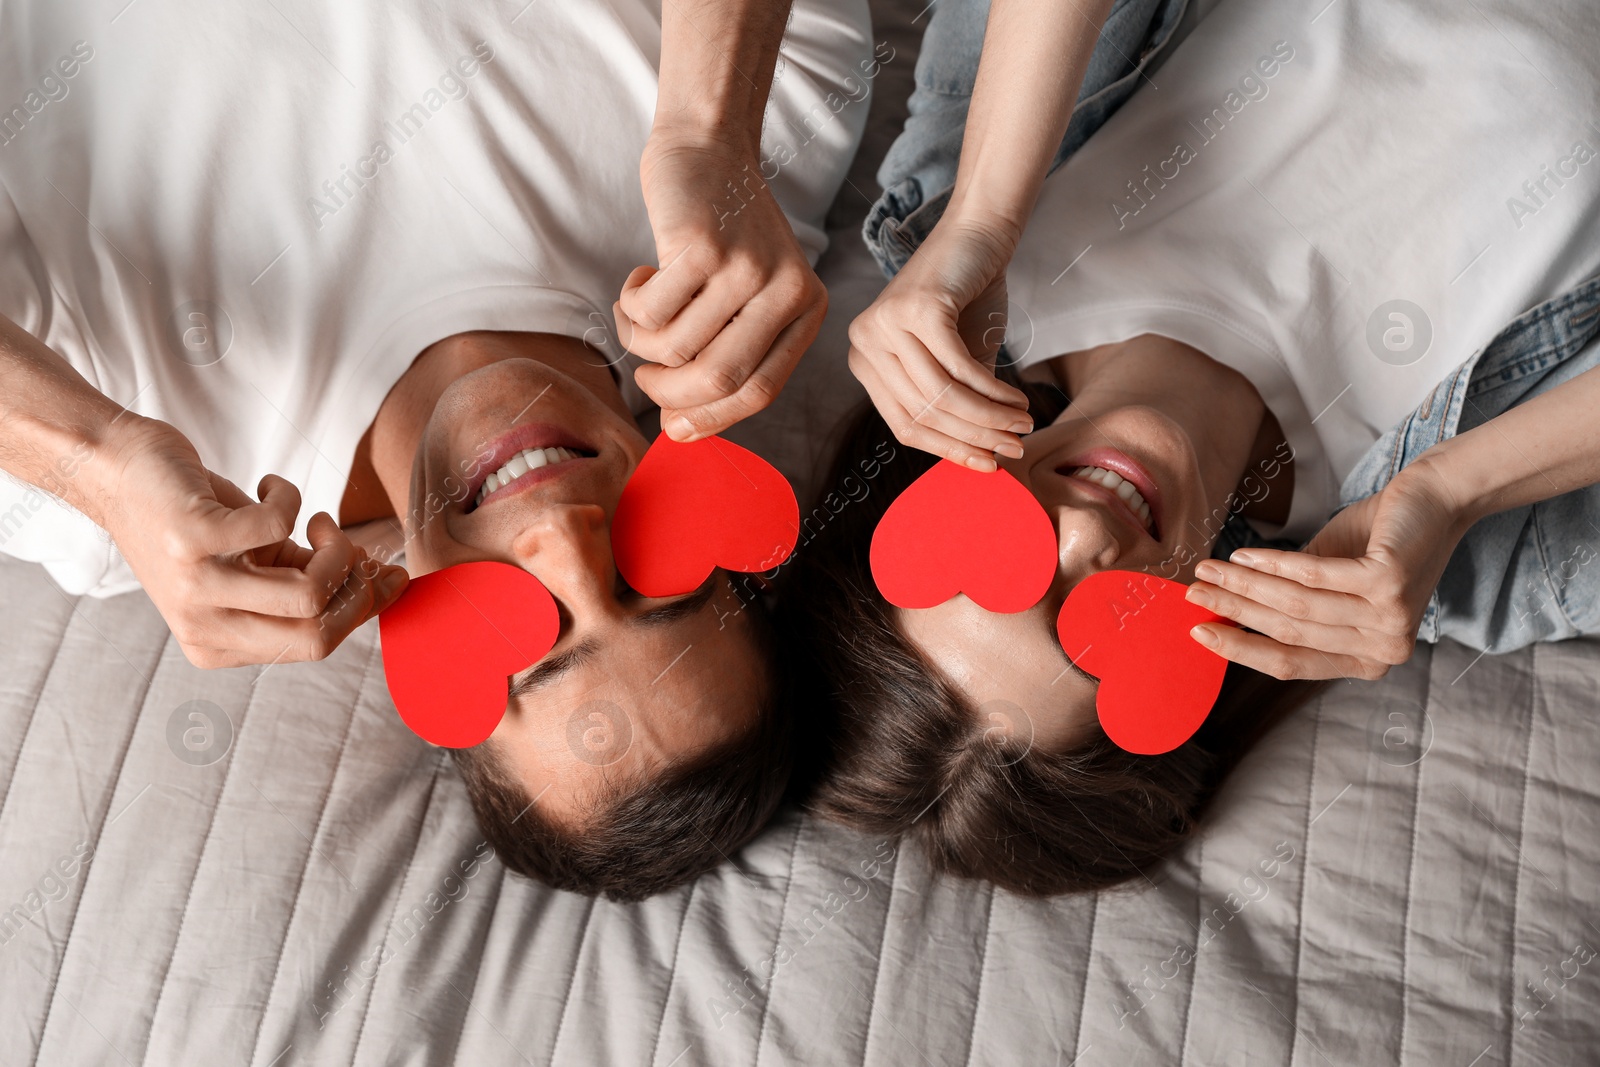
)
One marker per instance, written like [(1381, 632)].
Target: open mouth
[(524, 463), (1121, 485)]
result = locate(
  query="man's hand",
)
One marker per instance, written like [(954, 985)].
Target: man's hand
[(220, 567), (1350, 604), (924, 350), (734, 304)]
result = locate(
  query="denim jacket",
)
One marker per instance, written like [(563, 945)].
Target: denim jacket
[(919, 171), (1532, 573)]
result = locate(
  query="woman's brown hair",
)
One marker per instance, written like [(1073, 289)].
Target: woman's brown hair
[(910, 755)]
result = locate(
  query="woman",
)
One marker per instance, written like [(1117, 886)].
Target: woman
[(1304, 239)]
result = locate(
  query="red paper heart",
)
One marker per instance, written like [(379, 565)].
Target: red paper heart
[(690, 508), (454, 638), (1131, 631), (957, 530)]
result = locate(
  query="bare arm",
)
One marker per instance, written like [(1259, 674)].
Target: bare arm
[(1035, 54), (219, 566), (1350, 604), (732, 303), (925, 348)]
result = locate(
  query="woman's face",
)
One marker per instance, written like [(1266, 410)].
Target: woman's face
[(1135, 476)]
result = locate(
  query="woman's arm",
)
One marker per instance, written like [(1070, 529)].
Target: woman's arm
[(734, 302), (1035, 54), (1350, 604), (219, 566), (925, 348)]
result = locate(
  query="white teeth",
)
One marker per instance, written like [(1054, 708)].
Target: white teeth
[(1125, 490), (529, 459)]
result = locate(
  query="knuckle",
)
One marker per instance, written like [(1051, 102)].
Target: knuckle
[(1290, 634), (1395, 650), (1282, 667), (206, 659), (1297, 607), (1371, 672), (724, 381)]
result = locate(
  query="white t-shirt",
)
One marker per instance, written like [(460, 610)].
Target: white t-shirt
[(1301, 167), (318, 191)]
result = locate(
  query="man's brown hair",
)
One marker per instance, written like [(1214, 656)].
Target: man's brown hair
[(642, 838)]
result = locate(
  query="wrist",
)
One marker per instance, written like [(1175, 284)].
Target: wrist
[(710, 129), (1458, 499), (976, 221)]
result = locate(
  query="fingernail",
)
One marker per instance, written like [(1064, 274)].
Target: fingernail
[(1022, 427), (1009, 450), (1204, 636), (1207, 570), (981, 463), (1244, 558), (1199, 596), (679, 428)]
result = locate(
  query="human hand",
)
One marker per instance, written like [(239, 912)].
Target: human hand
[(220, 567), (1349, 605), (734, 304), (925, 349)]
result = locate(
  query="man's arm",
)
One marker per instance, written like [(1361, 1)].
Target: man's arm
[(732, 303), (219, 566)]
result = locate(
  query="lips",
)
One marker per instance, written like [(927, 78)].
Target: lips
[(1125, 469), (533, 436)]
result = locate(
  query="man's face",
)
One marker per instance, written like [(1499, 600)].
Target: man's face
[(523, 463)]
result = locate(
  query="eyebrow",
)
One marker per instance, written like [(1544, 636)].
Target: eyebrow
[(550, 669)]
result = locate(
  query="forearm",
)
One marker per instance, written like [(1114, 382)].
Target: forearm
[(717, 62), (1539, 449), (1035, 54), (54, 425)]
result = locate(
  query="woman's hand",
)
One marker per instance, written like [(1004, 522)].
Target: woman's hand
[(1349, 605), (220, 567), (735, 303), (925, 349)]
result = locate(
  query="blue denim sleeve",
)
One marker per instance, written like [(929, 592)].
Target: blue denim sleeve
[(1530, 574), (919, 171)]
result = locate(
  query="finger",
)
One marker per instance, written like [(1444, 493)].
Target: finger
[(722, 367), (759, 390), (257, 638), (641, 342), (908, 432), (1321, 572), (713, 311), (927, 412), (1281, 661), (1288, 597), (941, 357), (1299, 632), (653, 301), (279, 587), (254, 525)]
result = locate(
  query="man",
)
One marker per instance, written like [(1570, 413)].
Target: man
[(363, 257)]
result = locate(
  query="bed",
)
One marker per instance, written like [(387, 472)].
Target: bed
[(263, 866)]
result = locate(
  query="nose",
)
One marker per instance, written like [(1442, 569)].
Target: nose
[(568, 548), (1086, 542)]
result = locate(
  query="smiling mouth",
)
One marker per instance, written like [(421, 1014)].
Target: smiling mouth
[(529, 461), (1125, 492)]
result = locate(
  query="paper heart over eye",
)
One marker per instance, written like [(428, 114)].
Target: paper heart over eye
[(690, 508), (454, 638), (1131, 631), (957, 530)]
